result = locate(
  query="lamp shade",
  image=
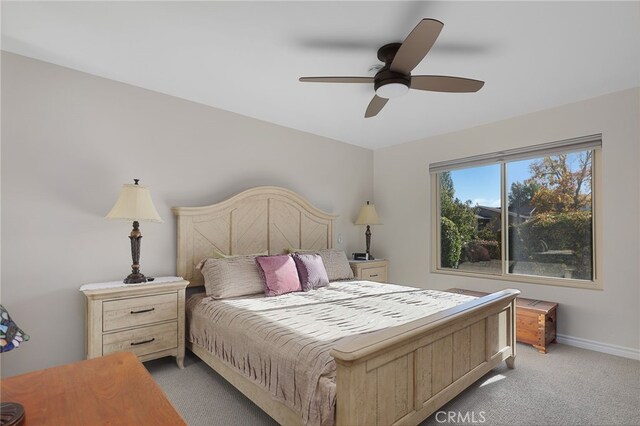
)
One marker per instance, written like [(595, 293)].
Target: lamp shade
[(10, 334), (135, 204), (368, 215)]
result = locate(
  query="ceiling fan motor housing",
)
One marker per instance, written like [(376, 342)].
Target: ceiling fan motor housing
[(387, 52), (389, 84)]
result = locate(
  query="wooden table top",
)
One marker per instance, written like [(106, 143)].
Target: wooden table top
[(114, 389)]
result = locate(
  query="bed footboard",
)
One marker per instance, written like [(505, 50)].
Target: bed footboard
[(403, 374)]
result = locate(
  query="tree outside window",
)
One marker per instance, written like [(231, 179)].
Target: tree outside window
[(549, 221)]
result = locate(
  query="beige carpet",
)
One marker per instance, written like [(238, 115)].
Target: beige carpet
[(568, 386)]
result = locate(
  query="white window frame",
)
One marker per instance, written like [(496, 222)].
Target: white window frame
[(591, 142)]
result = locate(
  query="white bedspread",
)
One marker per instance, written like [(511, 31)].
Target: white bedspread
[(282, 343)]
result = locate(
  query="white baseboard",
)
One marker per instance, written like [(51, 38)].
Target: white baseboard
[(606, 348)]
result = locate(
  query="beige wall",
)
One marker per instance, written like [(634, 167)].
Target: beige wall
[(402, 195), (70, 140)]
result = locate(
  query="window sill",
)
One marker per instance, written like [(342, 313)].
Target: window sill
[(528, 279)]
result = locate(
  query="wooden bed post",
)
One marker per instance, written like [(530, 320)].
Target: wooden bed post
[(354, 406), (511, 360)]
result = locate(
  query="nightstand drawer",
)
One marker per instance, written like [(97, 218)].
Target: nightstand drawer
[(143, 340), (136, 311), (370, 270), (375, 274)]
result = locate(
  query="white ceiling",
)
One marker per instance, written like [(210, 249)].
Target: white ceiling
[(247, 57)]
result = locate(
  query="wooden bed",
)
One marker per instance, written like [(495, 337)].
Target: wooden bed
[(398, 375)]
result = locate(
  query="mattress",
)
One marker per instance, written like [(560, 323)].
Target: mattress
[(282, 343)]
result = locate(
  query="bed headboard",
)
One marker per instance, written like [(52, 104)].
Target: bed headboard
[(265, 218)]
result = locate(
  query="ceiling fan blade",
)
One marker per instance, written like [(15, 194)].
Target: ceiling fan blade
[(337, 79), (416, 46), (375, 106), (443, 83)]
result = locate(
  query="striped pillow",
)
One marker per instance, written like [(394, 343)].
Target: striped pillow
[(231, 277), (336, 264)]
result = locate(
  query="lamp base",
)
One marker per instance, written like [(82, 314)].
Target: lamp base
[(11, 413), (135, 278), (367, 236)]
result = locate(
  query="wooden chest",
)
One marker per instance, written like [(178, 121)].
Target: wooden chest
[(535, 320), (536, 323)]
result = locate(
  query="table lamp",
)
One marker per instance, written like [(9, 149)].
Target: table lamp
[(368, 216), (135, 204), (11, 413)]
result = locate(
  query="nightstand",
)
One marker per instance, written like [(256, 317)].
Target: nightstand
[(370, 270), (146, 319)]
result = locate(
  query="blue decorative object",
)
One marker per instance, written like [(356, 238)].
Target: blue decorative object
[(11, 413), (10, 334)]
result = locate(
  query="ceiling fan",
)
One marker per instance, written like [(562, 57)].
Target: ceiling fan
[(395, 79)]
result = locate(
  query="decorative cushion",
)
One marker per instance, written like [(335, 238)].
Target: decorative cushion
[(336, 264), (311, 271), (231, 277), (279, 273)]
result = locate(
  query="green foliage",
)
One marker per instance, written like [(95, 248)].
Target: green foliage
[(450, 244), (446, 186), (562, 231), (460, 213), (570, 231), (487, 234), (521, 194)]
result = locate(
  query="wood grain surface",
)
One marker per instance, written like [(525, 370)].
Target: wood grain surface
[(398, 375), (535, 319), (114, 389), (265, 218)]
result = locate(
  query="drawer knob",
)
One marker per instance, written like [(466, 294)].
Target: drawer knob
[(143, 311), (143, 342), (373, 275)]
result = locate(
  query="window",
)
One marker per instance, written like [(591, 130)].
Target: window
[(522, 215), (470, 229)]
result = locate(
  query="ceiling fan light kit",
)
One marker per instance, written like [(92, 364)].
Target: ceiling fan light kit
[(392, 90), (394, 78)]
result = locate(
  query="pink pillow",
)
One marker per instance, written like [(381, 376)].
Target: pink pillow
[(280, 274)]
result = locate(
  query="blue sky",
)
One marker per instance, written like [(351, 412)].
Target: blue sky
[(481, 185)]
